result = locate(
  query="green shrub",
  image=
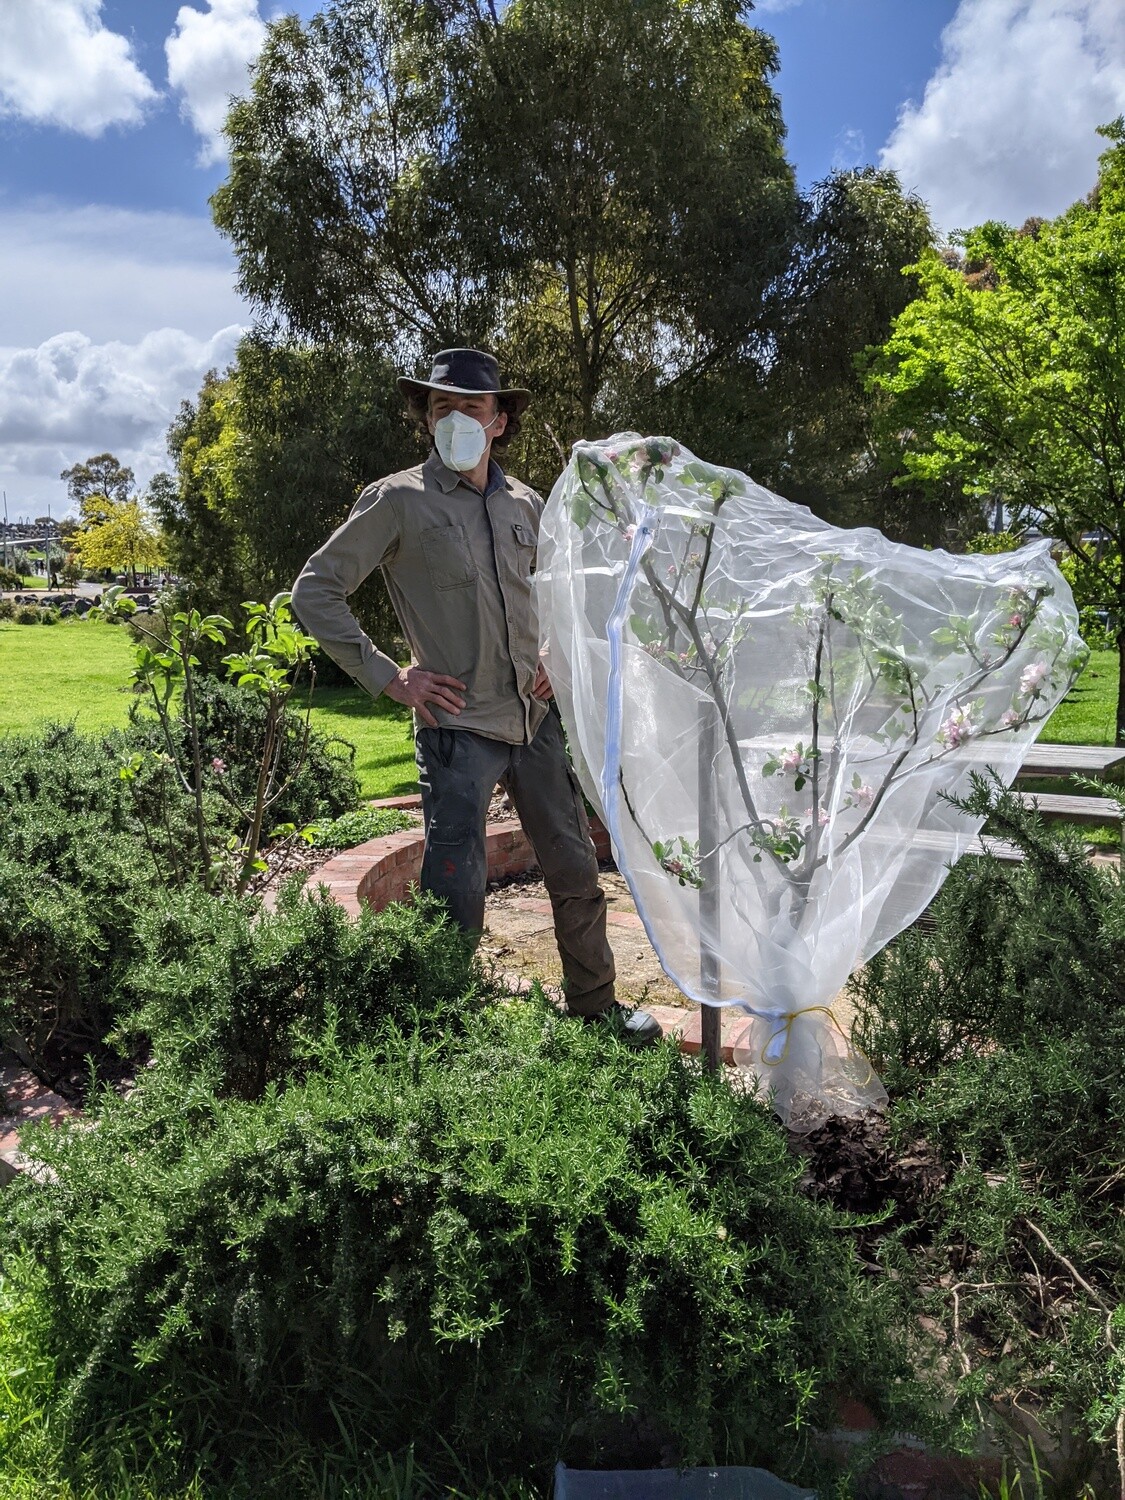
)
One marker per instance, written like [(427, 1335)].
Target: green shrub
[(249, 997), (27, 614), (1000, 1033), (10, 579), (76, 870), (49, 616), (510, 1240), (7, 609), (357, 827), (231, 722)]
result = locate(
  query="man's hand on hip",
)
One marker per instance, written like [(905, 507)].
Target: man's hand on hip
[(541, 688), (416, 687)]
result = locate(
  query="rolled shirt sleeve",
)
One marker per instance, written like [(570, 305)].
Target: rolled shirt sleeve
[(366, 540)]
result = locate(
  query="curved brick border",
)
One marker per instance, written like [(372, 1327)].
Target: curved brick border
[(384, 869)]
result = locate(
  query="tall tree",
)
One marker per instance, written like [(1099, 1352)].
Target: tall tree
[(597, 187), (93, 485), (1007, 375), (269, 459)]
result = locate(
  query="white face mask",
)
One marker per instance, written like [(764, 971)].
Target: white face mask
[(461, 441)]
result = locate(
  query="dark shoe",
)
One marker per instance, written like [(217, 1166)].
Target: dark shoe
[(636, 1028)]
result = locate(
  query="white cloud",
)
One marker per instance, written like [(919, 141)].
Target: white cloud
[(113, 323), (1005, 128), (112, 273), (851, 149), (209, 54), (70, 397), (60, 66), (768, 6)]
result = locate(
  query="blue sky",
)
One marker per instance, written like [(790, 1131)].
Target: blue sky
[(120, 293)]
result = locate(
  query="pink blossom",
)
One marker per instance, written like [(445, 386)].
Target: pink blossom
[(823, 817), (863, 795), (790, 761), (629, 533), (217, 765), (1016, 621), (958, 728), (1032, 678), (1010, 719)]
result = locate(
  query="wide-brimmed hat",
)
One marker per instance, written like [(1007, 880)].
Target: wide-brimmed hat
[(466, 372)]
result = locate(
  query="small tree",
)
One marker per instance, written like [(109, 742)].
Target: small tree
[(126, 539), (269, 662)]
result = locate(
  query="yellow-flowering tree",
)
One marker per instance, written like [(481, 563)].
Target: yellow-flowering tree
[(127, 539)]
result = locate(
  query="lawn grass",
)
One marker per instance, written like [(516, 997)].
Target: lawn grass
[(1087, 714), (79, 669), (381, 733)]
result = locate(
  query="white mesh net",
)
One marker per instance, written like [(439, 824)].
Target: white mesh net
[(766, 711)]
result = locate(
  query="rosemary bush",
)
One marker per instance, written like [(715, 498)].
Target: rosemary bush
[(490, 1231), (1000, 1033)]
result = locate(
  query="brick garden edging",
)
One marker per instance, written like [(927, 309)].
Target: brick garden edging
[(384, 869)]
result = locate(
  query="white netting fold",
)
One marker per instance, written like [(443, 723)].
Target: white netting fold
[(767, 711)]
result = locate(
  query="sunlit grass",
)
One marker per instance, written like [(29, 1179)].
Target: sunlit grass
[(79, 669)]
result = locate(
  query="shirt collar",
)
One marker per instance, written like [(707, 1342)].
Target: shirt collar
[(448, 479)]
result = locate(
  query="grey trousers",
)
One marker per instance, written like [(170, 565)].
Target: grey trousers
[(458, 771)]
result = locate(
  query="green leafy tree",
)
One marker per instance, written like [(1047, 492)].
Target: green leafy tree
[(437, 174), (93, 485), (1007, 377), (269, 459)]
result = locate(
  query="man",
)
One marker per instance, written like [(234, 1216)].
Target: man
[(456, 539)]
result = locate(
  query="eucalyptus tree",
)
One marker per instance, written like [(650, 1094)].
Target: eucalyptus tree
[(590, 185)]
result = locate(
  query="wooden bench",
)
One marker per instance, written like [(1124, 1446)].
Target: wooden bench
[(1060, 807), (1106, 761)]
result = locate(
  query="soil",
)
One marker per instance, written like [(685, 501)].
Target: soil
[(854, 1165), (519, 939)]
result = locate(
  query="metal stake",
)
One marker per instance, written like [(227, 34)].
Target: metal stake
[(710, 1017)]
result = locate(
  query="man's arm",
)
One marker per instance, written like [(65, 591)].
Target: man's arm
[(366, 540)]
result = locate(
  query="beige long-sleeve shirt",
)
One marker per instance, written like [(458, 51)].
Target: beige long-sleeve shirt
[(458, 566)]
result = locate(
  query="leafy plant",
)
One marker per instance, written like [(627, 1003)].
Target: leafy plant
[(1000, 1032), (273, 651), (357, 827)]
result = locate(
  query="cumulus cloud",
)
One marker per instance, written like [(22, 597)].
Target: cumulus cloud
[(1005, 128), (209, 53), (60, 66), (69, 397)]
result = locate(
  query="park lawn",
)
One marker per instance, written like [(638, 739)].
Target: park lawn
[(79, 669), (1087, 715), (381, 733)]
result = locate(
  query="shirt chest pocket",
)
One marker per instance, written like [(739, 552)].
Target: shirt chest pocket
[(526, 544), (450, 563)]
